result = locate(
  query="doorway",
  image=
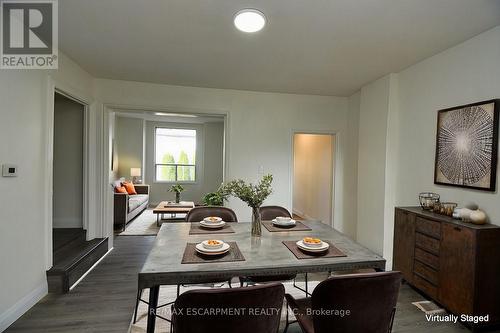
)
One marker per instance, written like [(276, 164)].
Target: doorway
[(68, 171), (313, 176)]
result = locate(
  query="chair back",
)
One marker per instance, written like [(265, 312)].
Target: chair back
[(369, 298), (242, 310), (269, 213), (199, 213)]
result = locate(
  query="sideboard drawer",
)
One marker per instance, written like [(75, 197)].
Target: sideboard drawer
[(427, 243), (425, 272), (427, 258), (428, 227), (425, 286)]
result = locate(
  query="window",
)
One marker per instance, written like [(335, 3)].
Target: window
[(175, 151)]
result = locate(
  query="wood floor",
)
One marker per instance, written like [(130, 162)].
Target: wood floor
[(104, 300)]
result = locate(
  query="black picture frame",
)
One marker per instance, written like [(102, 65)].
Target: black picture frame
[(444, 145)]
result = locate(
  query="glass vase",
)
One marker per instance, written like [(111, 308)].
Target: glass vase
[(177, 197), (256, 219)]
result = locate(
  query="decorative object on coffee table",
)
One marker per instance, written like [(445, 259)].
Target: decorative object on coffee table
[(428, 200), (253, 195), (177, 189), (466, 146)]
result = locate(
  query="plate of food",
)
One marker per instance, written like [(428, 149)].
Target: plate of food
[(200, 248), (281, 221), (212, 225), (212, 219), (212, 244), (311, 244)]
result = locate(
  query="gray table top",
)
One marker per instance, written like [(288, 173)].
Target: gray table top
[(265, 255)]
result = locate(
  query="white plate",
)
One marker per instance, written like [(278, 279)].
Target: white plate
[(284, 224), (324, 246), (212, 247), (217, 219), (212, 252), (212, 225)]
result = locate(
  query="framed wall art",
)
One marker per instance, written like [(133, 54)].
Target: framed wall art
[(467, 146)]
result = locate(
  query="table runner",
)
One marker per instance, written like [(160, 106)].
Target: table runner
[(332, 251), (192, 257), (196, 229), (299, 226)]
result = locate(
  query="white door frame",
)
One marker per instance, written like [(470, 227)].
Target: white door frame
[(105, 190), (335, 170), (53, 87)]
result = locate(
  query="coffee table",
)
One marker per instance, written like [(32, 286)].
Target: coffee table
[(172, 208)]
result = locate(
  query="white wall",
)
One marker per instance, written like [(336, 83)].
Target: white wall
[(259, 128), (209, 161), (467, 73), (23, 233), (371, 163), (397, 133), (68, 163), (313, 176), (129, 135)]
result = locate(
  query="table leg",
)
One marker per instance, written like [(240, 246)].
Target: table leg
[(157, 220), (153, 303)]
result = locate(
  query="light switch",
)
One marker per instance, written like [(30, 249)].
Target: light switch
[(261, 169), (9, 170)]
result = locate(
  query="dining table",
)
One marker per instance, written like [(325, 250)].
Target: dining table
[(262, 256)]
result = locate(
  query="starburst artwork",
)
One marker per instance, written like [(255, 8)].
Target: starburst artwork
[(466, 148)]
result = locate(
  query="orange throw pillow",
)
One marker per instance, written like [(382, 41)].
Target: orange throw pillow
[(121, 189), (130, 188)]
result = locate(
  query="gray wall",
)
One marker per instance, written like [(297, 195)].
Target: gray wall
[(129, 142), (209, 155), (68, 163)]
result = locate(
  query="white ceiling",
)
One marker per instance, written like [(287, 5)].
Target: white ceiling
[(325, 47)]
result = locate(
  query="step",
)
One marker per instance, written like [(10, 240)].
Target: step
[(72, 261), (63, 236)]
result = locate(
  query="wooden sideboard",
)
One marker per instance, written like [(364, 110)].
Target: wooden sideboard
[(454, 263)]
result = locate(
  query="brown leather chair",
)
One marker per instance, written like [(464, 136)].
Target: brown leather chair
[(369, 298), (199, 213), (268, 213), (254, 309)]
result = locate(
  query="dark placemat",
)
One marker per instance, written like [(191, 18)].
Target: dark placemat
[(299, 226), (192, 257), (197, 229), (299, 254)]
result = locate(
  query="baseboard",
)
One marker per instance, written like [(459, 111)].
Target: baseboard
[(24, 304)]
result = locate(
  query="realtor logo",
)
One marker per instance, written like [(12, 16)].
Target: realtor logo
[(28, 34)]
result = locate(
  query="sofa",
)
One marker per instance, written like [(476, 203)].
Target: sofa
[(127, 207)]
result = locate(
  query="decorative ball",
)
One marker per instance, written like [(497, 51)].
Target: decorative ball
[(478, 217), (465, 214)]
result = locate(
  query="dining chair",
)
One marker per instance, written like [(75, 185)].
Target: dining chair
[(348, 303), (197, 214), (268, 213), (241, 310)]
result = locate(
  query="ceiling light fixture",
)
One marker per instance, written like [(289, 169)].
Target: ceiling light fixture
[(249, 20)]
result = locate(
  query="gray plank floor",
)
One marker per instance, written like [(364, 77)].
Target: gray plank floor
[(104, 300)]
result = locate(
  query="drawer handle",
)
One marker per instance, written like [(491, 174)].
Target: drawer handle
[(457, 229)]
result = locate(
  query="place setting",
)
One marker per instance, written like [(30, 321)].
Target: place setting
[(310, 247), (210, 225), (211, 250), (284, 223)]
